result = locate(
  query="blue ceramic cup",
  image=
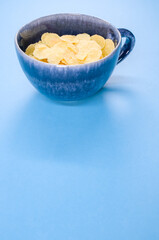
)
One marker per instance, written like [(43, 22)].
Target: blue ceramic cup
[(77, 81)]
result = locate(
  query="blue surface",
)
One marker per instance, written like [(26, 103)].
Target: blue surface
[(88, 170)]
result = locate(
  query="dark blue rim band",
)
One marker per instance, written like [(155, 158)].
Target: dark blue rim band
[(128, 45)]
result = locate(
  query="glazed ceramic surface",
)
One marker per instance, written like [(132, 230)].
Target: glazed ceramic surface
[(71, 82)]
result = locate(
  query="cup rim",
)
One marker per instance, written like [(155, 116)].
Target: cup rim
[(66, 66)]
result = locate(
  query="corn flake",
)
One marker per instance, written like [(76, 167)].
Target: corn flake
[(99, 39), (57, 52), (83, 36), (108, 48), (50, 39), (30, 49), (69, 38), (41, 51)]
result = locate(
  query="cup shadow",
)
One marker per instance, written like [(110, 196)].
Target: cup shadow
[(77, 132)]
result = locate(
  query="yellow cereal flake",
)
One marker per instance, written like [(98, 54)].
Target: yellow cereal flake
[(57, 52), (83, 36), (43, 60), (30, 49), (41, 51), (72, 47), (70, 58), (69, 38), (99, 39), (54, 59), (108, 48), (94, 54), (84, 47), (50, 39)]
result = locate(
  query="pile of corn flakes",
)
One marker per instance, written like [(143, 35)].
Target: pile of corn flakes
[(70, 49)]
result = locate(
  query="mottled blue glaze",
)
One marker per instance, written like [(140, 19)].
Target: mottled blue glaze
[(69, 82), (128, 45)]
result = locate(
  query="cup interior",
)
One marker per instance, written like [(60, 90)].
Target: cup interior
[(65, 24)]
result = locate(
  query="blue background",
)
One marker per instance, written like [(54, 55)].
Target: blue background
[(86, 170)]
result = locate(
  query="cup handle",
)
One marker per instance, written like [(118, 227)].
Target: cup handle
[(128, 45)]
